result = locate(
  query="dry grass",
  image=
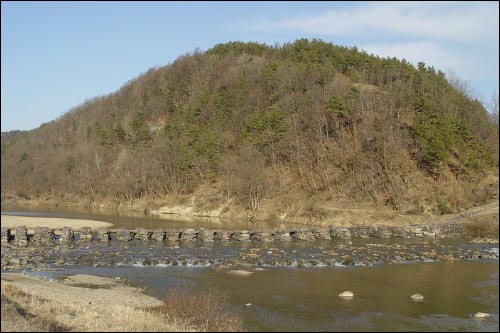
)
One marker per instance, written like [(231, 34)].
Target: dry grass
[(484, 226), (206, 310), (26, 312), (17, 318), (26, 306)]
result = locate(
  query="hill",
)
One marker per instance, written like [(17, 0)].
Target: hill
[(246, 129)]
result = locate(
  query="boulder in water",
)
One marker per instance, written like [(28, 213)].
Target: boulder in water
[(417, 297), (481, 315), (240, 272), (346, 294)]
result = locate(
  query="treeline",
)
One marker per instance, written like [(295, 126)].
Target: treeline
[(259, 122)]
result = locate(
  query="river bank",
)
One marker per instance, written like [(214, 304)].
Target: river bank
[(191, 212), (9, 221), (319, 209), (78, 303), (90, 303)]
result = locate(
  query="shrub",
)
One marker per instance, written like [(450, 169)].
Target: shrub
[(443, 207), (206, 310), (483, 227)]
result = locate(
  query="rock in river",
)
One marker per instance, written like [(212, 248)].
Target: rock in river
[(346, 294), (481, 315), (240, 272)]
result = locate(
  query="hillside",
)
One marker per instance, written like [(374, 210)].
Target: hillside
[(244, 129), (10, 137)]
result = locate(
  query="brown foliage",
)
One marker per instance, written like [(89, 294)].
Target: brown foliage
[(245, 120), (206, 310), (483, 227), (15, 318)]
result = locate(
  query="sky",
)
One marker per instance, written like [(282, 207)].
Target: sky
[(56, 55)]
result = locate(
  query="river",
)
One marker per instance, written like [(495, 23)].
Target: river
[(131, 219), (304, 297)]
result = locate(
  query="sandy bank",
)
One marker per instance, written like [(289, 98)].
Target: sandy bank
[(81, 303), (89, 303), (32, 222), (82, 290)]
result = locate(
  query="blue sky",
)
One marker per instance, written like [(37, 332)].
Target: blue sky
[(55, 55)]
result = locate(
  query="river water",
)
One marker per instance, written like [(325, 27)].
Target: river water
[(132, 220), (305, 298)]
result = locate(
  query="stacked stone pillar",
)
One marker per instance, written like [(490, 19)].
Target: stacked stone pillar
[(303, 234), (242, 235), (21, 238), (382, 232), (262, 236), (67, 235), (85, 234), (188, 235), (158, 235), (322, 233), (340, 233), (124, 235), (43, 235), (103, 235), (172, 235), (6, 236), (222, 235), (282, 235), (206, 235), (142, 234)]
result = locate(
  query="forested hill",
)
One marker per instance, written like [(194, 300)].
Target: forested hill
[(246, 123)]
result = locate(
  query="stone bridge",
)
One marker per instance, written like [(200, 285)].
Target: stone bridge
[(21, 237)]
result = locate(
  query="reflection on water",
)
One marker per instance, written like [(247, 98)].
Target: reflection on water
[(306, 299), (132, 220)]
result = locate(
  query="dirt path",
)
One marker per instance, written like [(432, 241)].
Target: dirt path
[(489, 209)]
